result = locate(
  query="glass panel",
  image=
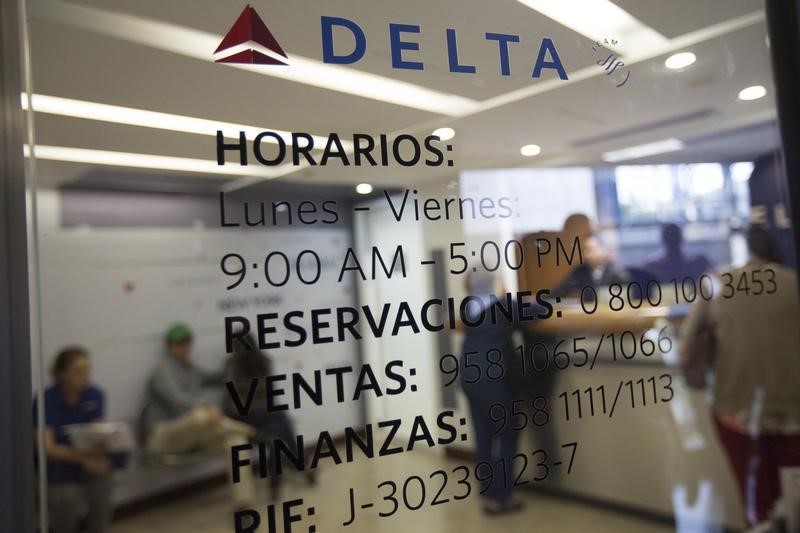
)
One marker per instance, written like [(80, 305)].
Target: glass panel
[(359, 266)]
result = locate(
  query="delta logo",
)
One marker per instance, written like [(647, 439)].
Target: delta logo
[(250, 41), (247, 33)]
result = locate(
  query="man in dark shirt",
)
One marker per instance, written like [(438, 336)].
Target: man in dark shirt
[(597, 269), (674, 263)]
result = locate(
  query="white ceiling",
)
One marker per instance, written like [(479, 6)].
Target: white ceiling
[(86, 57)]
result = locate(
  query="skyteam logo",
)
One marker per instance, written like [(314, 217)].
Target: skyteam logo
[(250, 41), (344, 42)]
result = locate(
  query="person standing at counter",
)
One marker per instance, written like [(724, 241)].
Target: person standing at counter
[(178, 420), (78, 481), (751, 341), (596, 270), (482, 393)]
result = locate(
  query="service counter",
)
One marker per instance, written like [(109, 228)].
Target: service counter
[(650, 444), (646, 442)]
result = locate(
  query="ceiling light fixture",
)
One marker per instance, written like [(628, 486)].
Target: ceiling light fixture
[(445, 134), (600, 20), (152, 161), (363, 188), (754, 92), (530, 150), (67, 107), (643, 150), (680, 60)]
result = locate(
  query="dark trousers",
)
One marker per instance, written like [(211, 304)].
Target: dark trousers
[(756, 462), (491, 447), (545, 437), (271, 426)]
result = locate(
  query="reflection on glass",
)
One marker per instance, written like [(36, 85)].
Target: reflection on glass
[(756, 408), (451, 282)]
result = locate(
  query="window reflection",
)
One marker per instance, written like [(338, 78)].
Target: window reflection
[(305, 346)]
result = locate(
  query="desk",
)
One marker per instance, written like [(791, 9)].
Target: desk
[(663, 458)]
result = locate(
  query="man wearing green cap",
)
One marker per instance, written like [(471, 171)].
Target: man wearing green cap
[(177, 419)]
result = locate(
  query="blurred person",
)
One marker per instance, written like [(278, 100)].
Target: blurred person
[(756, 397), (245, 364), (596, 270), (481, 394), (674, 263), (576, 225), (78, 482), (178, 420)]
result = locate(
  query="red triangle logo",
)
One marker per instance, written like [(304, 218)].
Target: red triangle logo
[(249, 27)]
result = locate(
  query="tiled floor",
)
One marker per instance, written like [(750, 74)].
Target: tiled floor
[(209, 511)]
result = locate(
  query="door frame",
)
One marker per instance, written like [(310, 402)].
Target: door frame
[(16, 424), (783, 25)]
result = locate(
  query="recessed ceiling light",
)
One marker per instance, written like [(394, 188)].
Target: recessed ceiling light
[(445, 134), (754, 92), (530, 150), (680, 60), (363, 188), (643, 150)]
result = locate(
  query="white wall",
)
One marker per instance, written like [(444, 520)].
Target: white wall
[(115, 290), (378, 228)]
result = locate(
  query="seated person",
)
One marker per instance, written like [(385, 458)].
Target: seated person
[(674, 263), (78, 481), (177, 420), (245, 364)]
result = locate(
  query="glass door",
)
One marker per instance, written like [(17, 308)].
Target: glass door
[(374, 266)]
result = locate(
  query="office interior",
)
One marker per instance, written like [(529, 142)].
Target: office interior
[(126, 236)]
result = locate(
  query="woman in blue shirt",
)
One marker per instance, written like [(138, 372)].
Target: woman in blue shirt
[(79, 482)]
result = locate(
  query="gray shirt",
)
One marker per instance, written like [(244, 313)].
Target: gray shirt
[(174, 389)]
